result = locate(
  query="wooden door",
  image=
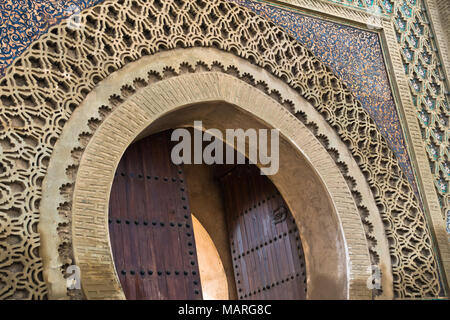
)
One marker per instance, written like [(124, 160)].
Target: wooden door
[(266, 248), (150, 224)]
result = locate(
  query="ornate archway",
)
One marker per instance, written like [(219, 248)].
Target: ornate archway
[(91, 113), (44, 87), (329, 258)]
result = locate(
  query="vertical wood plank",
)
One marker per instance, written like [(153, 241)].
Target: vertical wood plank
[(266, 249)]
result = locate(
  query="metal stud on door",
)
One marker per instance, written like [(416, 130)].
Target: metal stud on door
[(150, 224)]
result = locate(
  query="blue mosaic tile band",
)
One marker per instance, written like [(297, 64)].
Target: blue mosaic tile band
[(354, 55)]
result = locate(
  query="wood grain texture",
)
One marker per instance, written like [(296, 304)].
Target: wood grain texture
[(266, 247), (150, 223)]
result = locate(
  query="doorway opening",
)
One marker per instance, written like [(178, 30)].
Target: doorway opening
[(201, 231)]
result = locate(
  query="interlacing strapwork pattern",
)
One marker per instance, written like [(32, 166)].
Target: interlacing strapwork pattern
[(46, 84), (429, 90)]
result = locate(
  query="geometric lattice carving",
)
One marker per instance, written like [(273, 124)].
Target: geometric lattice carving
[(45, 85), (429, 90)]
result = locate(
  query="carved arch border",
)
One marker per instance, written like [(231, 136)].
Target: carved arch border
[(97, 106), (95, 174), (45, 85)]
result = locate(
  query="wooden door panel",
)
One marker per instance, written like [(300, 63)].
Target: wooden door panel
[(266, 248), (151, 226)]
